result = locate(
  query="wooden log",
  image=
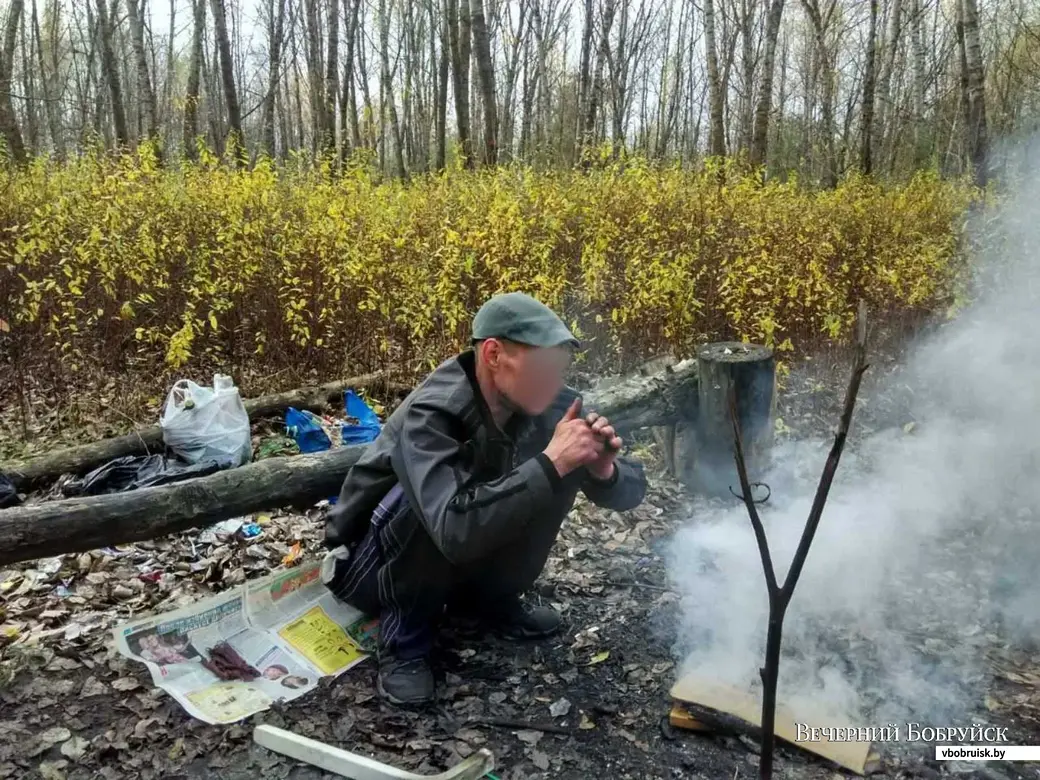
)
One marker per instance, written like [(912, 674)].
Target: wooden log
[(749, 370), (80, 524), (84, 457)]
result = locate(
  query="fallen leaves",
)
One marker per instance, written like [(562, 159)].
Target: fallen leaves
[(75, 748), (126, 684), (559, 708), (49, 738)]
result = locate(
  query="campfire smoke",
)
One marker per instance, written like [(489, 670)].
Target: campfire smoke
[(926, 552)]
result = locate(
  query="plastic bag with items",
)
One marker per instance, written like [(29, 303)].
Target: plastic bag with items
[(305, 429), (367, 427), (134, 472), (203, 423)]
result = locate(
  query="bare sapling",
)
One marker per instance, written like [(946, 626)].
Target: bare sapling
[(780, 595)]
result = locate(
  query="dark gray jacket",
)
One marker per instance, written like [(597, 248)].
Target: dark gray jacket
[(476, 489)]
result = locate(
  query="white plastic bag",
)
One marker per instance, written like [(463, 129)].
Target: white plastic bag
[(202, 423)]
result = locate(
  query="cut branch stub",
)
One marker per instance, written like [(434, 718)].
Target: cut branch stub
[(747, 372)]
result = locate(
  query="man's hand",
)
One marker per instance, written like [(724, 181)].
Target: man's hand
[(575, 443), (603, 466)]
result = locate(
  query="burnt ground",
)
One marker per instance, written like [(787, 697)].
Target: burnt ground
[(591, 703)]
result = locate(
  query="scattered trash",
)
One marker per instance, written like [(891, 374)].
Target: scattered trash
[(132, 472), (367, 427), (225, 662), (250, 531), (201, 423), (276, 447), (293, 556), (305, 429), (224, 528), (559, 708), (8, 493)]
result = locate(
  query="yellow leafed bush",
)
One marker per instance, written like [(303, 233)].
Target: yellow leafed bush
[(121, 264)]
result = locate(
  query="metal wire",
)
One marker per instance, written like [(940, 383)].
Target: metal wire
[(769, 492)]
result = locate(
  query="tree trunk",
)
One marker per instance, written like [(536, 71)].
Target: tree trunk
[(387, 88), (110, 69), (227, 77), (917, 42), (275, 36), (332, 79), (716, 126), (760, 137), (888, 63), (191, 96), (866, 162), (315, 80), (750, 371), (457, 15), (584, 72), (79, 524), (85, 457), (978, 136), (32, 125), (482, 50), (441, 108), (348, 98), (47, 77), (597, 91), (821, 23), (146, 92)]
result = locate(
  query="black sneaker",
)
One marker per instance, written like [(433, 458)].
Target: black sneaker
[(518, 620), (406, 683)]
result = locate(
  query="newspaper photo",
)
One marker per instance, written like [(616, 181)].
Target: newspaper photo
[(229, 656)]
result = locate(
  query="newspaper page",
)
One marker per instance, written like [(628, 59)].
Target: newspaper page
[(286, 625)]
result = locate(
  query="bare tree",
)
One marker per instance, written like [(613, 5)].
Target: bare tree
[(144, 80), (191, 96), (867, 132), (386, 88), (331, 79), (110, 71), (227, 77), (760, 135), (8, 120), (482, 51), (716, 98), (603, 54), (975, 97), (821, 19)]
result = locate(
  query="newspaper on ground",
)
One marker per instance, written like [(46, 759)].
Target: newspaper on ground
[(288, 626)]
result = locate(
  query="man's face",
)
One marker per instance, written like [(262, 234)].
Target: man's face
[(530, 377)]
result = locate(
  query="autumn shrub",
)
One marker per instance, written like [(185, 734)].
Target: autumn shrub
[(116, 263)]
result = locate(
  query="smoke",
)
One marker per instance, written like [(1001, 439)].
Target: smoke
[(925, 554)]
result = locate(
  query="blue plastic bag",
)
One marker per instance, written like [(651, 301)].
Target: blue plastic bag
[(367, 427), (306, 431)]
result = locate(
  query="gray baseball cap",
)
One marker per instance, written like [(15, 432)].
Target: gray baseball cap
[(520, 318)]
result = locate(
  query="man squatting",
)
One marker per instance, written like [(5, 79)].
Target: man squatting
[(455, 506)]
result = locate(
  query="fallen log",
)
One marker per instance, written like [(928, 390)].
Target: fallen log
[(84, 457), (80, 524)]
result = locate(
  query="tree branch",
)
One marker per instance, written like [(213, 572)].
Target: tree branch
[(780, 597)]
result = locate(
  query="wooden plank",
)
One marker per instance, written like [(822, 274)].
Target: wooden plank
[(346, 764), (706, 699), (682, 719)]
